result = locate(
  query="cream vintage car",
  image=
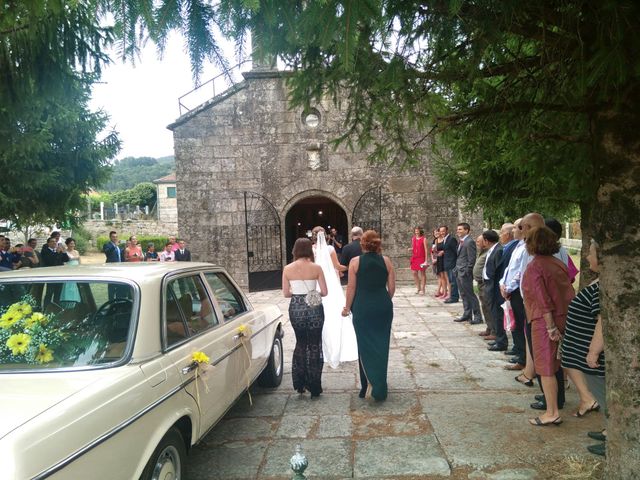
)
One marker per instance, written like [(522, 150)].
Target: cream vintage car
[(104, 371)]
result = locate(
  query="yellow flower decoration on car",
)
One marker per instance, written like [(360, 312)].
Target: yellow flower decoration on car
[(44, 355), (19, 343), (23, 308), (244, 330), (35, 319), (200, 357), (9, 318)]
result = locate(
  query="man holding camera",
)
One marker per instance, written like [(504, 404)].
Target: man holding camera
[(335, 240)]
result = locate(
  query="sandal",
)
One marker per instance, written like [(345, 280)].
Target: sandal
[(528, 382), (536, 422), (595, 407)]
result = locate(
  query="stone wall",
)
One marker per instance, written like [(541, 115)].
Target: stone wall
[(250, 140)]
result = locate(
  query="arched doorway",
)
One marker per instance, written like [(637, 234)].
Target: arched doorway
[(311, 212)]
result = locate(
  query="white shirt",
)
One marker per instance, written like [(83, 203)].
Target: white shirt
[(484, 269), (517, 264), (167, 257)]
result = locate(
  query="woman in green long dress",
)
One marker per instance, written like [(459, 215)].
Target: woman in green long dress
[(372, 283)]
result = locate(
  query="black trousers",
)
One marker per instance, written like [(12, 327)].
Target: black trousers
[(518, 334), (559, 373), (502, 340)]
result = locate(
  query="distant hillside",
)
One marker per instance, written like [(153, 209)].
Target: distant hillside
[(130, 171)]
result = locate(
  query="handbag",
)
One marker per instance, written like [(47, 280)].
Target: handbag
[(312, 298), (509, 318)]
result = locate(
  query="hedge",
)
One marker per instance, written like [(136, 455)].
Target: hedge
[(143, 240)]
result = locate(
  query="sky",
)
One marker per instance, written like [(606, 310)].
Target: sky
[(143, 99)]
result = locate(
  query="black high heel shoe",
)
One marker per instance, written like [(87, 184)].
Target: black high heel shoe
[(363, 392)]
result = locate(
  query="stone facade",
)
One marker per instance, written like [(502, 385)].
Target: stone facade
[(249, 170), (167, 203)]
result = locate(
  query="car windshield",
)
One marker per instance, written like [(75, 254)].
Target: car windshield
[(62, 324)]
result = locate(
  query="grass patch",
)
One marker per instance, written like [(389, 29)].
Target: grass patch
[(575, 467)]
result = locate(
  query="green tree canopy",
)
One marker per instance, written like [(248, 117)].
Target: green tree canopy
[(130, 171), (142, 194)]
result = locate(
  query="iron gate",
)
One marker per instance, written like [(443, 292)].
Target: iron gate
[(264, 247), (367, 213)]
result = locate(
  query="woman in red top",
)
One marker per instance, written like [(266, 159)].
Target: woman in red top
[(547, 292), (419, 251)]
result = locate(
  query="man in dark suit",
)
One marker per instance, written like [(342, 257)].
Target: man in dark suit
[(111, 249), (52, 254), (182, 254), (113, 253), (464, 275), (450, 253), (352, 249), (490, 241)]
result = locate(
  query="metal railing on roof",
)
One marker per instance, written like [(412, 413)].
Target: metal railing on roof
[(213, 87)]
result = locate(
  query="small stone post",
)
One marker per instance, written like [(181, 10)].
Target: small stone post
[(102, 211), (298, 464)]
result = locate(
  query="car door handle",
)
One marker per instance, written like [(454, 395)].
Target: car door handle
[(237, 336), (192, 366)]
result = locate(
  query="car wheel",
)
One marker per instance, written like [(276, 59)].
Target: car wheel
[(271, 377), (168, 459)]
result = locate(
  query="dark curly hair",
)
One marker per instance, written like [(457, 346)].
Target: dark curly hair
[(542, 241), (371, 241)]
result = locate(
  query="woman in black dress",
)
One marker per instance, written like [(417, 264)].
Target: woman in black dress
[(298, 278)]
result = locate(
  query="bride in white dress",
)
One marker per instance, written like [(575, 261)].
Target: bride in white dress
[(338, 336)]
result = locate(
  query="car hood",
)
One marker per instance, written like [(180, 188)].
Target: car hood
[(25, 396)]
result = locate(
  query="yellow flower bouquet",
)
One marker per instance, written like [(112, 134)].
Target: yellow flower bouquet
[(27, 336)]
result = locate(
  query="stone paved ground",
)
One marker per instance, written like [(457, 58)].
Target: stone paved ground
[(452, 412)]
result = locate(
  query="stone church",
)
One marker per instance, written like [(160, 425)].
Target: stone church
[(253, 175)]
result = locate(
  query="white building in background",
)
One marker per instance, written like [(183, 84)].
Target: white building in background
[(167, 204)]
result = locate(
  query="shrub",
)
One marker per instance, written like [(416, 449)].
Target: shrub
[(82, 237), (143, 240)]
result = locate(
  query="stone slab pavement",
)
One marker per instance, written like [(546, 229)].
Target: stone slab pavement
[(452, 412)]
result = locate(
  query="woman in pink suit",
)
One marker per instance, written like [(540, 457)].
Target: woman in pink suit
[(547, 293)]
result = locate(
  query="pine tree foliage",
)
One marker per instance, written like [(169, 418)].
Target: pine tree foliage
[(508, 88), (51, 52)]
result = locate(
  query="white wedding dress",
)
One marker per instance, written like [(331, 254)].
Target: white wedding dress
[(338, 336)]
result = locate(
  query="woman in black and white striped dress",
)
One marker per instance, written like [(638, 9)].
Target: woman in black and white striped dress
[(582, 318)]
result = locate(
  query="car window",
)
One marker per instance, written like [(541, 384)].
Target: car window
[(226, 295), (62, 324), (188, 309)]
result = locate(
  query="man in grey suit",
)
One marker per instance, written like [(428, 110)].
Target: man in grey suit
[(464, 275)]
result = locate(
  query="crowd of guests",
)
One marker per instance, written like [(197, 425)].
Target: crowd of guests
[(173, 251), (57, 252), (524, 274), (53, 252)]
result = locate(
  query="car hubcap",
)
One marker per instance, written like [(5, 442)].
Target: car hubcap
[(277, 357), (168, 465)]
